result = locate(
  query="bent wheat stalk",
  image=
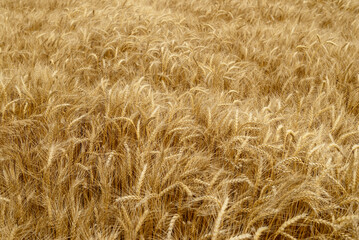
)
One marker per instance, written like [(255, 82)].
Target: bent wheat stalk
[(218, 221)]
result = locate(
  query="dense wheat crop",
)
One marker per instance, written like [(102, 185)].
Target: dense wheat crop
[(179, 119)]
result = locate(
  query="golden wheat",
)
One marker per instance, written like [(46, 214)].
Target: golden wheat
[(219, 219), (157, 119)]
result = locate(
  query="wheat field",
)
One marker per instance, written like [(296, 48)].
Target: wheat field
[(179, 119)]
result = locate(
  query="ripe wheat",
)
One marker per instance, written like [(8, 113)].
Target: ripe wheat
[(191, 119)]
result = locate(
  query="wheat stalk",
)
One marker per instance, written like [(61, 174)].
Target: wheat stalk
[(242, 236), (140, 221), (290, 222), (171, 226), (140, 180), (177, 184), (259, 232), (128, 198), (218, 221)]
